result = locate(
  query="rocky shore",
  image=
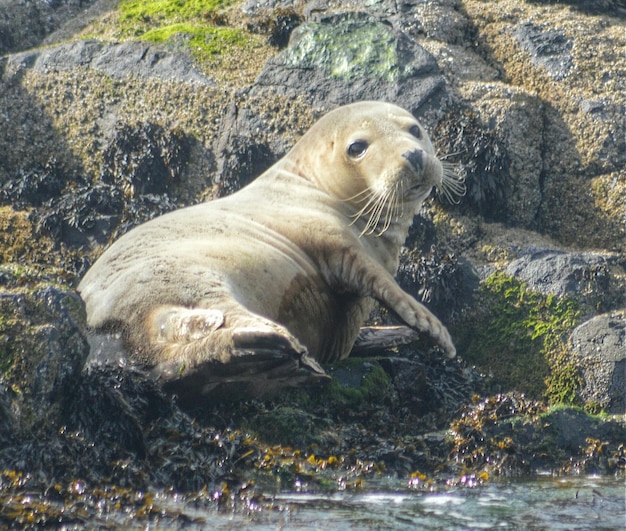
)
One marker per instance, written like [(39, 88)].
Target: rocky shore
[(112, 113)]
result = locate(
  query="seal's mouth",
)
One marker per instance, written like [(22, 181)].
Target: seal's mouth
[(421, 174)]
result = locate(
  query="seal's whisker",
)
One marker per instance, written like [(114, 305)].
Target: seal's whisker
[(367, 191), (452, 185), (366, 209), (443, 158), (401, 199), (385, 209), (388, 207), (375, 212), (392, 205), (369, 212)]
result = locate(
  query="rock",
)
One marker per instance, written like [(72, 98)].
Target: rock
[(334, 63), (435, 277), (443, 21), (25, 24), (509, 434), (7, 420), (503, 156), (548, 48), (255, 133), (139, 59), (42, 343), (595, 278), (610, 7), (598, 348)]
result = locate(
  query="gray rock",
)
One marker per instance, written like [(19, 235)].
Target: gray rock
[(25, 24), (599, 348), (548, 48), (610, 7), (443, 20), (504, 164), (585, 276), (333, 63), (254, 7), (139, 59)]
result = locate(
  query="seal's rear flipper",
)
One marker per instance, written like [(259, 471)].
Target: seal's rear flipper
[(373, 339), (263, 360), (251, 374)]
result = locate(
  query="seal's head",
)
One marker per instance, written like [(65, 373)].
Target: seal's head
[(377, 160)]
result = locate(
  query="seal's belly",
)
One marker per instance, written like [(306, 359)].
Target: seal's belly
[(274, 278), (285, 286)]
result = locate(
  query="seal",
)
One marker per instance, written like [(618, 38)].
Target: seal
[(264, 285)]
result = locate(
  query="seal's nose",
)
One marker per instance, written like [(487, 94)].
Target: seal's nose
[(415, 158)]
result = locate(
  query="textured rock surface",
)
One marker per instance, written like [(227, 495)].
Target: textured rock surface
[(334, 63), (599, 346), (42, 334), (115, 60), (592, 278)]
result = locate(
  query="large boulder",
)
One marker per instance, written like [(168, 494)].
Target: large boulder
[(333, 62)]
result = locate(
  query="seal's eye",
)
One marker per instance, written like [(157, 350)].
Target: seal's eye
[(416, 131), (357, 149)]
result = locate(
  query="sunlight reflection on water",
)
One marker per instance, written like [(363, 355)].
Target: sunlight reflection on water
[(583, 503)]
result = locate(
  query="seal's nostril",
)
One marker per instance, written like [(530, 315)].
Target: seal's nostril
[(415, 158)]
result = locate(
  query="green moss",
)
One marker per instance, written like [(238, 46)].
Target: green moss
[(520, 339), (373, 387), (160, 20), (138, 13), (347, 50), (204, 41), (564, 379)]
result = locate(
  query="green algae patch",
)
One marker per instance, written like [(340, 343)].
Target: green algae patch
[(519, 337), (204, 41), (161, 20), (142, 10), (372, 385), (222, 47), (348, 50)]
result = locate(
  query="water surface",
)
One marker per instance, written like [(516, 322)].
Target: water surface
[(580, 503)]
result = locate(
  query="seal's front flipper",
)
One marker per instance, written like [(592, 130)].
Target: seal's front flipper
[(373, 339)]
